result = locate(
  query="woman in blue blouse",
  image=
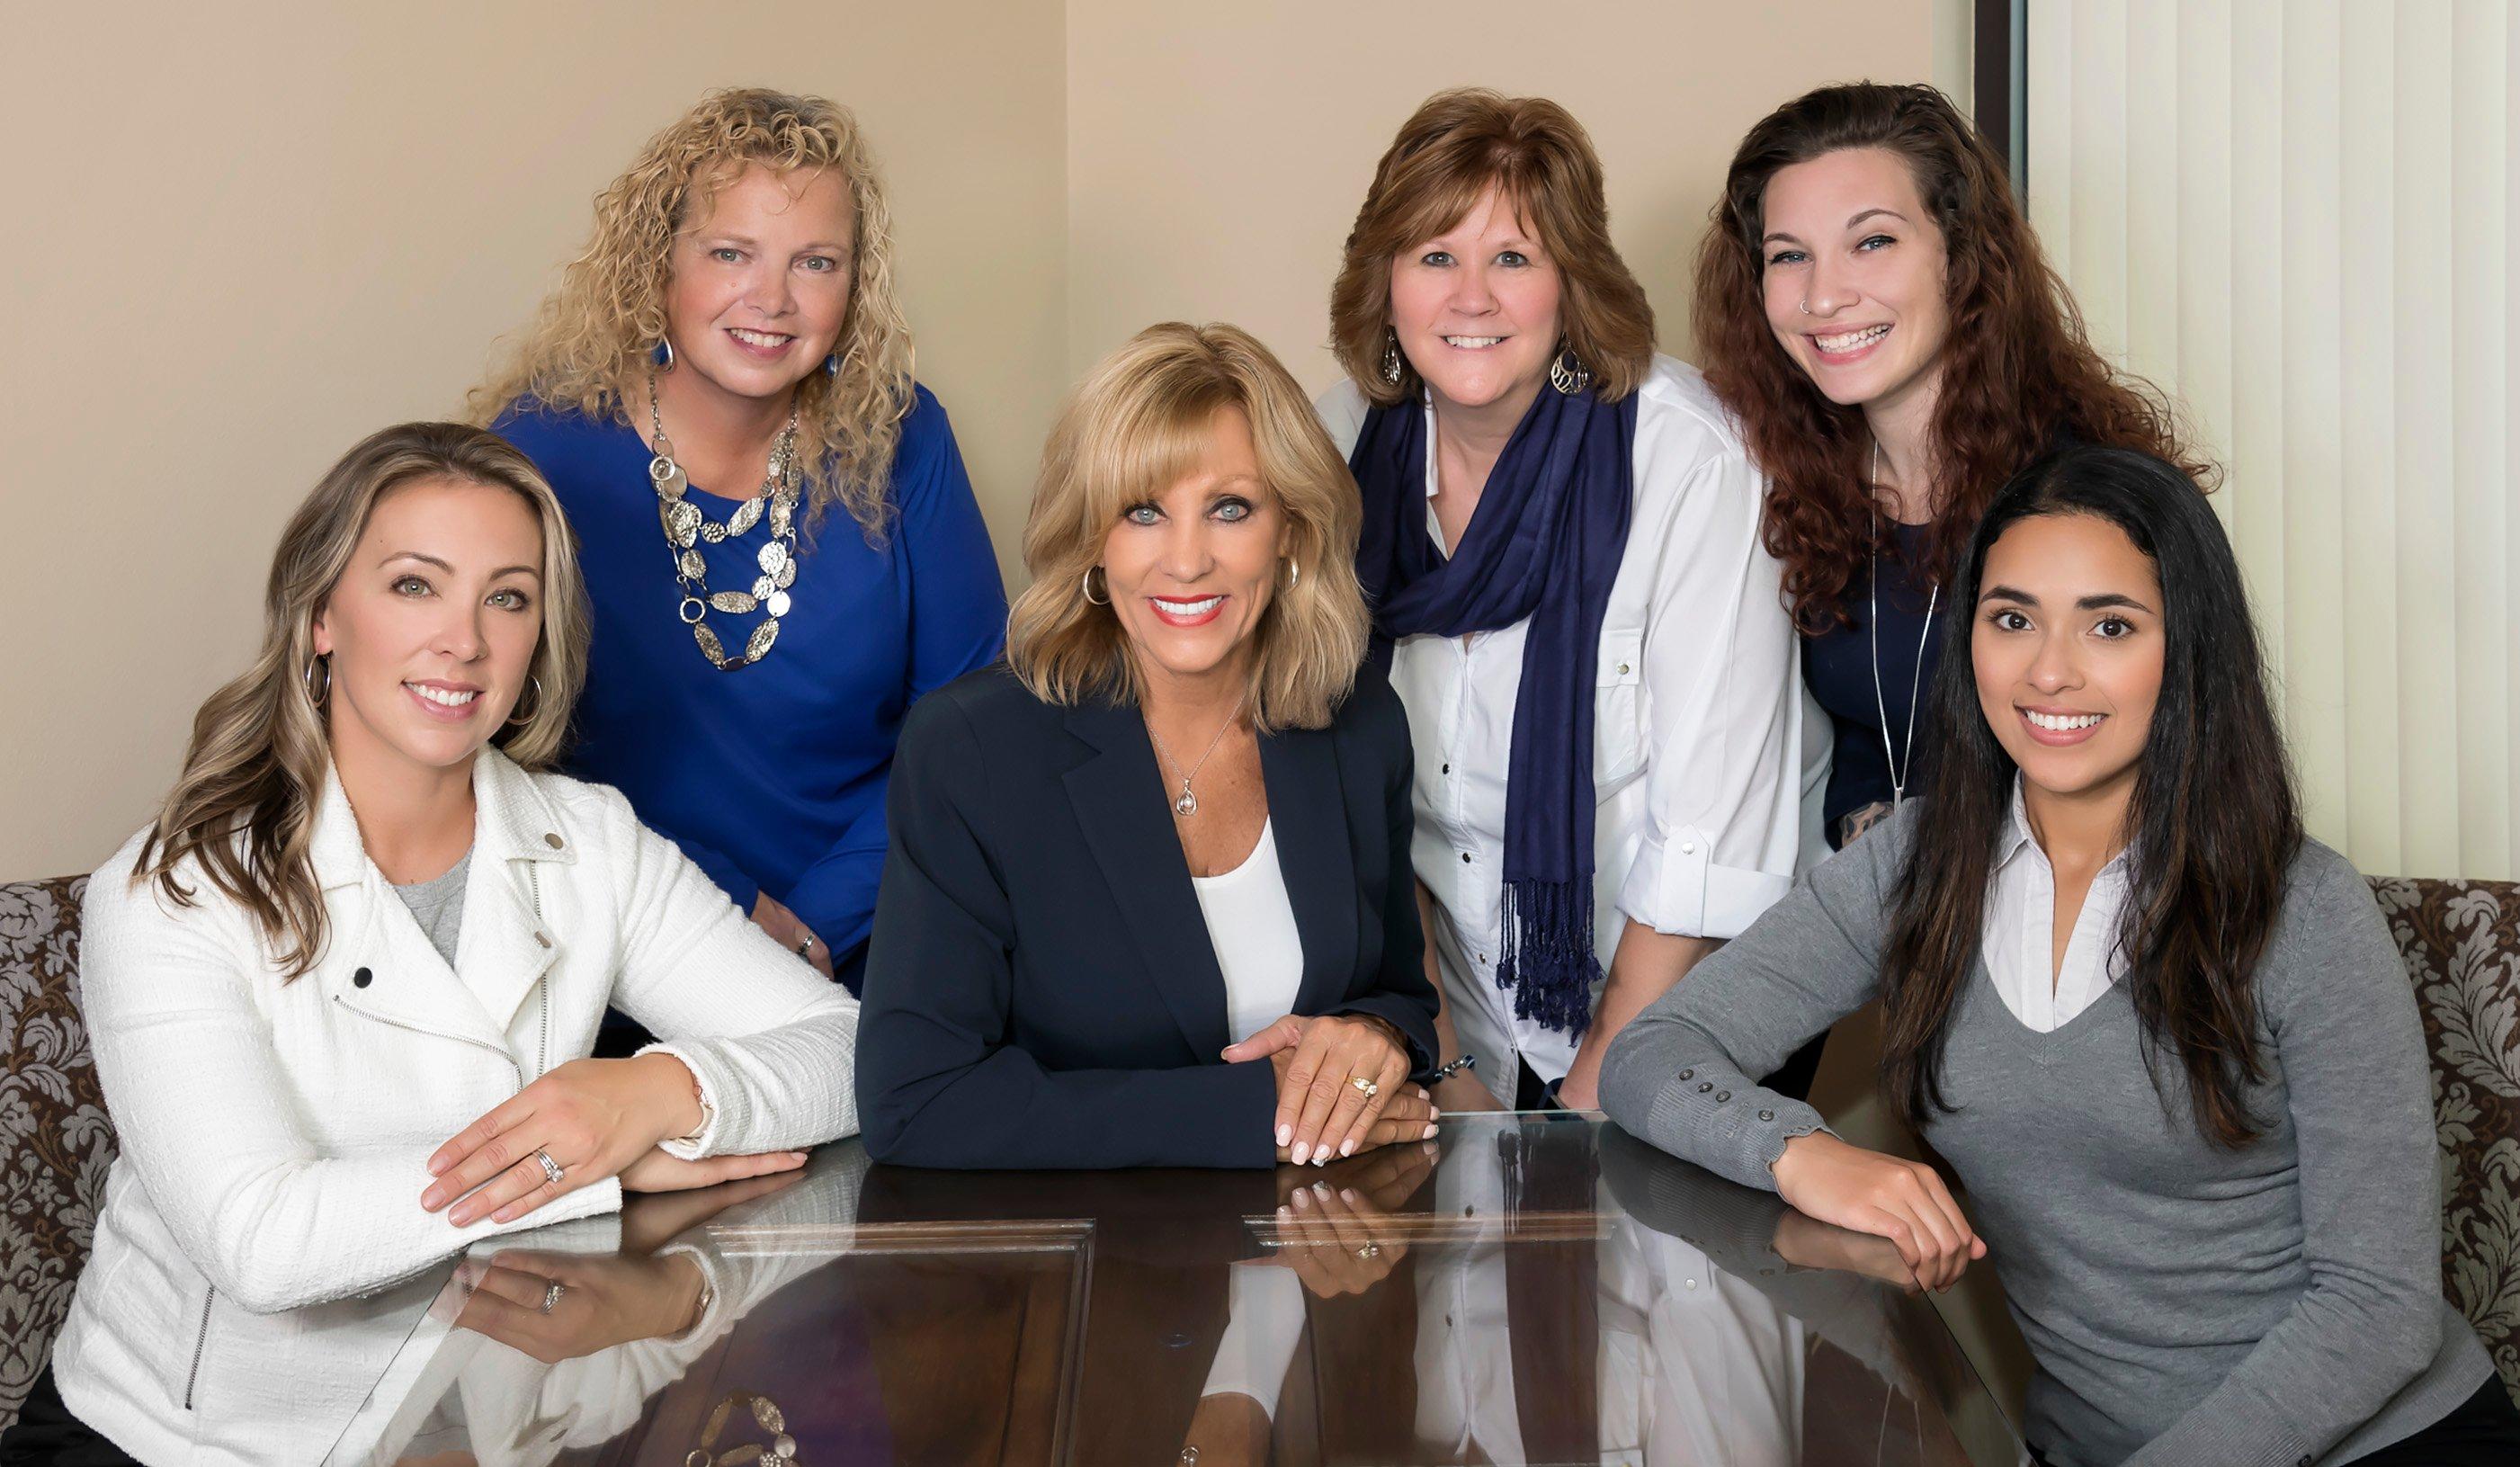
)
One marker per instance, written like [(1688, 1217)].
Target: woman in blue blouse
[(778, 536)]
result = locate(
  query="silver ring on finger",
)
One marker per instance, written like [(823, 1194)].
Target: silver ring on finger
[(552, 1292), (1366, 1088), (551, 1168), (1369, 1250)]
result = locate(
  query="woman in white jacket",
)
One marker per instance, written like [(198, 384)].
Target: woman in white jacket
[(342, 989)]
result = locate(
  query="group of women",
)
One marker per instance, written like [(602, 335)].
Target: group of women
[(1466, 737)]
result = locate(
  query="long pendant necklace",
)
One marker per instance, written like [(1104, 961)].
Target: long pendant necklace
[(686, 525), (1898, 774), (1188, 805)]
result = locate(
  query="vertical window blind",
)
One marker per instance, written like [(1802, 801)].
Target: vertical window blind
[(2297, 218)]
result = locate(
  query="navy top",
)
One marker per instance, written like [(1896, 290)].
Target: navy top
[(1838, 665), (771, 777)]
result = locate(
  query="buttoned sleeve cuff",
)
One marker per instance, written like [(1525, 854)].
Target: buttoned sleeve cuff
[(1677, 887), (1733, 1129)]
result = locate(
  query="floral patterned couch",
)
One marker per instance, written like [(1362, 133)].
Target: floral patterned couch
[(2460, 940)]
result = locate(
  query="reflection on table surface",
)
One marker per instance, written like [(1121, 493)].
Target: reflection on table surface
[(1527, 1288)]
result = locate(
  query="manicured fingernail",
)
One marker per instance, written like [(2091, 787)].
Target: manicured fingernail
[(1321, 1189), (1347, 1148), (1303, 1198), (1434, 1112), (1431, 1131), (1302, 1151), (1347, 1194), (1286, 1133), (436, 1165), (1322, 1157), (1284, 1212), (432, 1200)]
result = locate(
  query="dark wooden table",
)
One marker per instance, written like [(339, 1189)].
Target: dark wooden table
[(1527, 1288)]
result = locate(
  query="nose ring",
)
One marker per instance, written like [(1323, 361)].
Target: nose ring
[(1806, 305)]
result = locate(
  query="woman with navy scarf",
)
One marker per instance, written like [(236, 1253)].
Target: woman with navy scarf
[(1562, 547)]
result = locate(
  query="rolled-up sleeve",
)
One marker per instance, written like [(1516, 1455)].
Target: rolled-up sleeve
[(1723, 720)]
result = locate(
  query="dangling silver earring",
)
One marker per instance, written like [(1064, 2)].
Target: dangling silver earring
[(663, 356), (519, 720), (1390, 357), (1294, 574), (1103, 600), (1568, 374), (322, 662)]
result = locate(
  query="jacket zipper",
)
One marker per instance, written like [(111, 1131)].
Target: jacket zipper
[(201, 1342)]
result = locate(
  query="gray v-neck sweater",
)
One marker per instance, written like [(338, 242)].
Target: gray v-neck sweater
[(2278, 1304)]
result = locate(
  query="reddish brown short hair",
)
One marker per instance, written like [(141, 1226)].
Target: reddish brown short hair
[(1536, 154)]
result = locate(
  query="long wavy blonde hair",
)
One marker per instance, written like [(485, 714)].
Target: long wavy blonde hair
[(1135, 426), (590, 346), (243, 810)]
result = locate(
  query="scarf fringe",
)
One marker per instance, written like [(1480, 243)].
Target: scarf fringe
[(1547, 957)]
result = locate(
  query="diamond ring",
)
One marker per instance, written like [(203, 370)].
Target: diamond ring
[(1365, 1086), (551, 1168)]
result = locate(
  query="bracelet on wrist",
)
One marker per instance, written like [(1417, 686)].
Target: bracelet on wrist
[(1468, 1061)]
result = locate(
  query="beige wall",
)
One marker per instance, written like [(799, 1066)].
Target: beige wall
[(1216, 156), (242, 235)]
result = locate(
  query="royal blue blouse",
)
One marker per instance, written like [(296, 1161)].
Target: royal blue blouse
[(771, 777)]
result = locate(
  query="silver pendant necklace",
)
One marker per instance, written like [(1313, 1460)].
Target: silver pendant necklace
[(685, 526), (1898, 774), (1188, 805)]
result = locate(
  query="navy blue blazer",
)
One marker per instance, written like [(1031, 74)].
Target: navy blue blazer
[(1040, 987)]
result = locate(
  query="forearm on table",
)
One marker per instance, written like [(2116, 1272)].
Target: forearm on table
[(1647, 965)]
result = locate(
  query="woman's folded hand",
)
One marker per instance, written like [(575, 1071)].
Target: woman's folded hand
[(1337, 1075)]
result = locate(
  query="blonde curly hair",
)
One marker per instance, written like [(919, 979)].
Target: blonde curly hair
[(589, 347)]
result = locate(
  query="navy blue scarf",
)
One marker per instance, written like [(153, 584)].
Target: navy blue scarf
[(1545, 544)]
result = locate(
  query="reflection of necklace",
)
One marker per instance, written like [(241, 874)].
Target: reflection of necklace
[(781, 1452), (1898, 775), (685, 524), (1188, 805)]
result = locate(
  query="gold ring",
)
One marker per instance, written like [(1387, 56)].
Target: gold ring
[(1366, 1086)]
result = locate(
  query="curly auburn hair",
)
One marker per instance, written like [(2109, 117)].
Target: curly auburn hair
[(2018, 369), (589, 345), (1537, 157)]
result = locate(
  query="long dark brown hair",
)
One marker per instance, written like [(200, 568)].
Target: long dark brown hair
[(2018, 370), (2211, 828)]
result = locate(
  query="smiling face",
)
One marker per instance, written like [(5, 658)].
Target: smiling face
[(1476, 310), (759, 289), (2068, 647), (1190, 570), (1854, 277), (432, 626)]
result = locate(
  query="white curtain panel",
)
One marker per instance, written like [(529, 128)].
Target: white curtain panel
[(2302, 219)]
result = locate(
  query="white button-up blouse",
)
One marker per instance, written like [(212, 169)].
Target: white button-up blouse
[(1708, 762)]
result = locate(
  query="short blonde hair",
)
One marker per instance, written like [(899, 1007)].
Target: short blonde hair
[(1135, 427), (589, 347), (1537, 155)]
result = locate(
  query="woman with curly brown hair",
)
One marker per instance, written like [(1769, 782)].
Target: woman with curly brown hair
[(1874, 309), (733, 327)]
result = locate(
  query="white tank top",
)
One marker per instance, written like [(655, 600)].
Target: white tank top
[(1252, 924)]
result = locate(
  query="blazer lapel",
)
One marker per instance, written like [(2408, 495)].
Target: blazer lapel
[(1309, 814), (507, 945), (1119, 802)]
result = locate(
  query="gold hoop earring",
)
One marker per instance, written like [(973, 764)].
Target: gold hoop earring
[(1106, 598), (519, 720), (322, 662)]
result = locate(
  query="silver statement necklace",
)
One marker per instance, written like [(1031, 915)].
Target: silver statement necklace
[(1188, 805), (686, 525), (1902, 765)]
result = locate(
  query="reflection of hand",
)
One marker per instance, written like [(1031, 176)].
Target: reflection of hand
[(772, 916), (1323, 1109), (1227, 1430), (604, 1300), (1807, 1243), (1902, 1201), (1328, 1238), (651, 1220)]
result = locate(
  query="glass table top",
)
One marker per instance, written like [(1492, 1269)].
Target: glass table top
[(1527, 1288)]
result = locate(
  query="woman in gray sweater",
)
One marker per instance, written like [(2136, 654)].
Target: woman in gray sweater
[(2162, 1037)]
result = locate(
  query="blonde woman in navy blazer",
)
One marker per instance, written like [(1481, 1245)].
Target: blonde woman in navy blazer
[(1147, 899)]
